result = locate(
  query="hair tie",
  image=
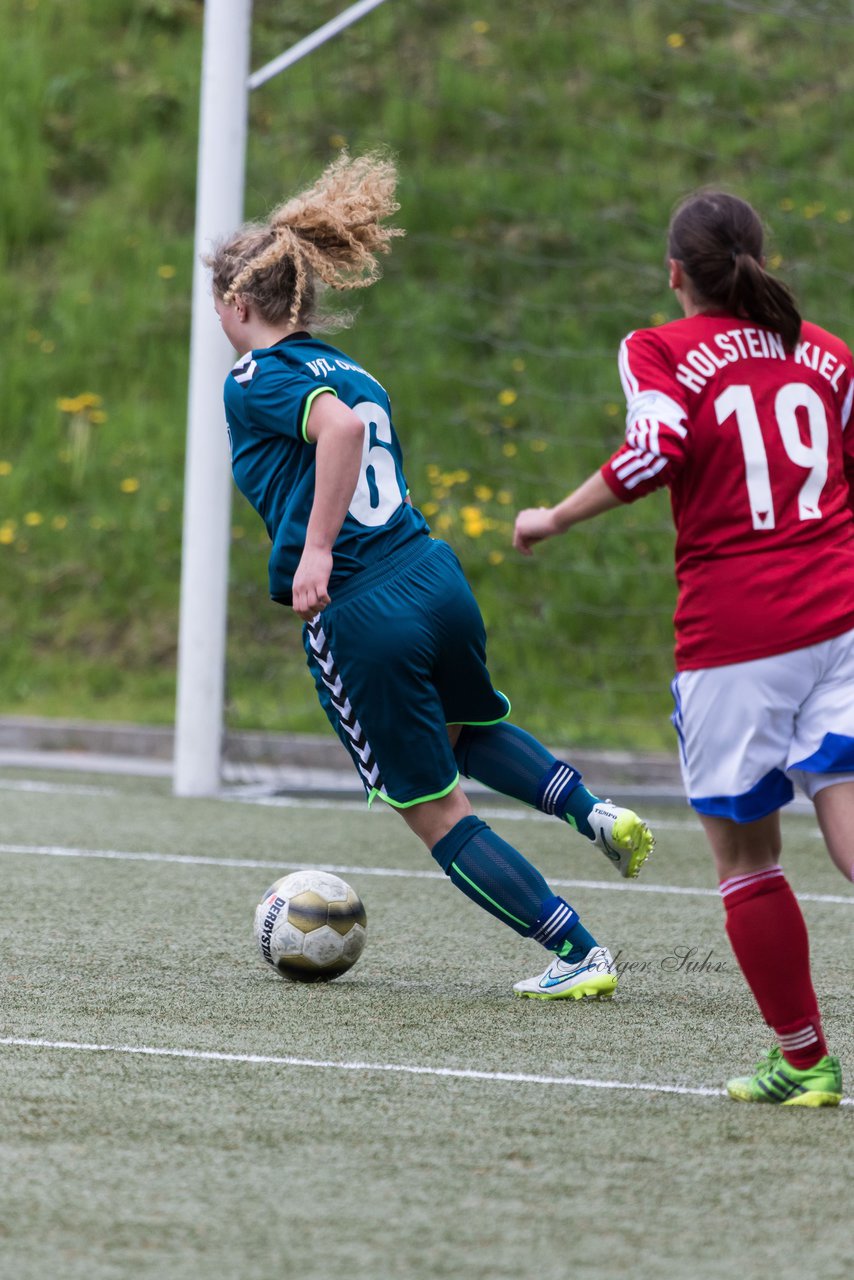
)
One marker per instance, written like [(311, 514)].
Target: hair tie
[(735, 251)]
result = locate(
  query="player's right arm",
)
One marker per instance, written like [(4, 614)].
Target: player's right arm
[(657, 436), (654, 448), (536, 524), (339, 434)]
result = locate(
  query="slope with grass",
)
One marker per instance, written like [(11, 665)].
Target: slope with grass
[(540, 154)]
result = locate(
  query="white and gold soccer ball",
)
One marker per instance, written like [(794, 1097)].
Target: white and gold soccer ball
[(310, 926)]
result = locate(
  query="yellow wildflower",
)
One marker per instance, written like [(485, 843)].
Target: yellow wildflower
[(473, 522), (482, 492), (166, 271), (675, 40), (479, 27), (76, 404), (5, 468), (507, 397), (130, 484)]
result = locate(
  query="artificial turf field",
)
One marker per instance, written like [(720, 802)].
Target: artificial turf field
[(170, 1107)]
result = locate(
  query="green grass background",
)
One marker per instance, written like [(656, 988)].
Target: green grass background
[(122, 1166), (542, 146)]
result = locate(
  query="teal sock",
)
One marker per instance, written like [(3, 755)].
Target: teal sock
[(511, 761), (500, 879), (576, 944), (579, 806)]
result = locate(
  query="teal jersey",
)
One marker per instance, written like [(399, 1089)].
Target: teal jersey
[(268, 396)]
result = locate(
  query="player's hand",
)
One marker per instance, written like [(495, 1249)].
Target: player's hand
[(533, 525), (311, 583)]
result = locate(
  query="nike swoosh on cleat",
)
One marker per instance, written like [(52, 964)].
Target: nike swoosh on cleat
[(549, 981), (613, 854)]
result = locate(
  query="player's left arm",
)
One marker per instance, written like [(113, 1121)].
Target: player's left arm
[(847, 420), (338, 433)]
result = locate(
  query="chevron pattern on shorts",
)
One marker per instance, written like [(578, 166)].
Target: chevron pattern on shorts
[(359, 745)]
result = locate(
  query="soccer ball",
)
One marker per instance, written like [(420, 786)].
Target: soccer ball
[(310, 926)]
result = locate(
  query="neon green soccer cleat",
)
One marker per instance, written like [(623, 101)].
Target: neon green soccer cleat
[(624, 838), (777, 1082)]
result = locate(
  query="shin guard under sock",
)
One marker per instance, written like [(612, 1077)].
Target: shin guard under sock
[(503, 882), (512, 762)]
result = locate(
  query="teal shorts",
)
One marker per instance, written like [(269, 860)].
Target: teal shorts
[(399, 654)]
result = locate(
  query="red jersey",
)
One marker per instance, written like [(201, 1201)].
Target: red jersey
[(752, 443)]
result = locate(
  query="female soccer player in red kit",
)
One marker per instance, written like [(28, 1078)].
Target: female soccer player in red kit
[(743, 411)]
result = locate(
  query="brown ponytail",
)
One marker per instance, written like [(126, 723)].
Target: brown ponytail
[(718, 240)]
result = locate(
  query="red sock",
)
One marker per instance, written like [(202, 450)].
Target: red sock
[(769, 937)]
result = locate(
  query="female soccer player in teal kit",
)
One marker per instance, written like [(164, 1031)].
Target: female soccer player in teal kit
[(393, 635)]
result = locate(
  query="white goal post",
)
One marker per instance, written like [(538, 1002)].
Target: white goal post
[(221, 176)]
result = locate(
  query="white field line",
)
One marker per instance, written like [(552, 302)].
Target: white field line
[(257, 1059), (273, 866), (55, 788), (260, 796), (455, 1073)]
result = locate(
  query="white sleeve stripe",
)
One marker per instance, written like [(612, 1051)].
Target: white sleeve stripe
[(657, 405), (628, 379), (646, 475), (652, 435), (846, 408), (629, 462), (636, 436)]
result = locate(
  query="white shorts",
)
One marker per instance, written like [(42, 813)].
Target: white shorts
[(749, 730)]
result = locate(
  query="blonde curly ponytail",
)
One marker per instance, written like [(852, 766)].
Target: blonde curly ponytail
[(329, 234)]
